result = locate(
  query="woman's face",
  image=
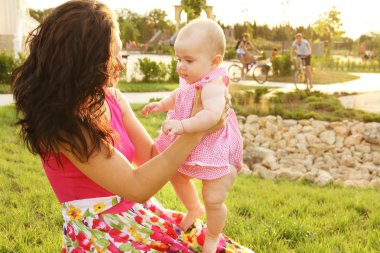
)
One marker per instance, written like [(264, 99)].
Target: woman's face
[(116, 53)]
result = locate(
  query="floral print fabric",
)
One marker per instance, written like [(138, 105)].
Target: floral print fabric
[(148, 227)]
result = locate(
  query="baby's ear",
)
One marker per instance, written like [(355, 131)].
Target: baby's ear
[(217, 60)]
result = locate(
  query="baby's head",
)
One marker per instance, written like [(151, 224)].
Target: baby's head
[(203, 42), (205, 34)]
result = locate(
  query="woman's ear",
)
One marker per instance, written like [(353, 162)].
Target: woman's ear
[(217, 60)]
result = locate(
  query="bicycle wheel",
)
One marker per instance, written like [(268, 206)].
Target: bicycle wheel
[(234, 72), (260, 73), (299, 78)]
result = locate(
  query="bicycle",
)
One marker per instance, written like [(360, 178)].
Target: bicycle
[(300, 76), (259, 71)]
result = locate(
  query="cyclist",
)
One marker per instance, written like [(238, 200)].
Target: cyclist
[(243, 54), (302, 49)]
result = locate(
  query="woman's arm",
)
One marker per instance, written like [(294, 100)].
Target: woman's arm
[(253, 47), (144, 145), (117, 175)]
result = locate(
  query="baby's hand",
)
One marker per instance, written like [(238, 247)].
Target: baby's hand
[(172, 127), (150, 108)]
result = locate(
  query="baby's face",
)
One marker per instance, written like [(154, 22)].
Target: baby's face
[(194, 61)]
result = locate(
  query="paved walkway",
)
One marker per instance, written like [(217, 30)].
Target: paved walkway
[(368, 85)]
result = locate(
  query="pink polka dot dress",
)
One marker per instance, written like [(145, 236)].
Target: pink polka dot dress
[(211, 158)]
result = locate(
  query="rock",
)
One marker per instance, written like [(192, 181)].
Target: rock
[(375, 183), (272, 119), (254, 155), (245, 170), (339, 142), (376, 158), (356, 183), (342, 131), (323, 178), (270, 162), (348, 161), (358, 128), (240, 119), (264, 173), (251, 119), (328, 137), (304, 122), (371, 168), (375, 148), (353, 140), (289, 123), (288, 174), (363, 147), (307, 129)]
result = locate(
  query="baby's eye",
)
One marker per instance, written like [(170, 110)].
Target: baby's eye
[(189, 61)]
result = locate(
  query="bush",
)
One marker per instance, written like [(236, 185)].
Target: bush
[(7, 64), (151, 70), (230, 53), (173, 75), (282, 65), (259, 92)]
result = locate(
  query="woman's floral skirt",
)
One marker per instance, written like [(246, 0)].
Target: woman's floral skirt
[(111, 224)]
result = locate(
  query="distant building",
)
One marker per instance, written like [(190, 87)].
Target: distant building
[(15, 25)]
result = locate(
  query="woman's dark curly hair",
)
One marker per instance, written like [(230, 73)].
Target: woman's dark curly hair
[(60, 89)]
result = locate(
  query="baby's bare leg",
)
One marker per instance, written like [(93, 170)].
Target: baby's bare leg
[(188, 195), (214, 193)]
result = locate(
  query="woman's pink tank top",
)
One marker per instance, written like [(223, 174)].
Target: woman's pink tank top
[(68, 182)]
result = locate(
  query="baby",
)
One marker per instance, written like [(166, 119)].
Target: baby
[(200, 47)]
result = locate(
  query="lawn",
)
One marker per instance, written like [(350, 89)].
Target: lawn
[(263, 215)]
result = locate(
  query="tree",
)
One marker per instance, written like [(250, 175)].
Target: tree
[(39, 15), (193, 8), (328, 28), (157, 19)]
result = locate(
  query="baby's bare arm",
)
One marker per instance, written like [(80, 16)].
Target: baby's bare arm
[(169, 101), (214, 102)]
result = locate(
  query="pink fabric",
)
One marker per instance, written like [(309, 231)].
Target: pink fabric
[(211, 158), (69, 183)]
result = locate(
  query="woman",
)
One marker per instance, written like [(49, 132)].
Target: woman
[(243, 54), (87, 137)]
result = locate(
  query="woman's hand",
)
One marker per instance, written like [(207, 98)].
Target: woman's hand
[(197, 107)]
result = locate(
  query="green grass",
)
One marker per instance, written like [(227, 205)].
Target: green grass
[(320, 77), (146, 87), (5, 89), (264, 215)]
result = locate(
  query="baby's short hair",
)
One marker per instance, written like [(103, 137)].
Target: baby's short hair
[(208, 29)]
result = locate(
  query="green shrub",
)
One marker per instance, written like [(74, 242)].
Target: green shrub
[(259, 92), (172, 66), (282, 65), (151, 70), (230, 53), (7, 64)]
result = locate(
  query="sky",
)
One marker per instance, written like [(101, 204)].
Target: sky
[(358, 17)]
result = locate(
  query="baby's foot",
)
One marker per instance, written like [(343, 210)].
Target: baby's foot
[(190, 217), (211, 244)]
